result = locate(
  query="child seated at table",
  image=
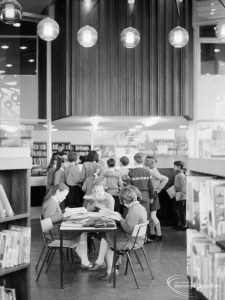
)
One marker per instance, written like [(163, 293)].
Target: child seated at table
[(52, 211), (136, 215), (97, 200)]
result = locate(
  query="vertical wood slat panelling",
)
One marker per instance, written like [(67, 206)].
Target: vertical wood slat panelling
[(61, 63), (42, 71), (108, 79)]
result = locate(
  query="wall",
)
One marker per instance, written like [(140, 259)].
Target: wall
[(108, 79), (29, 97)]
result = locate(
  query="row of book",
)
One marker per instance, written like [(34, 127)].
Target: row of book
[(7, 293), (14, 246), (206, 205), (5, 207), (205, 265)]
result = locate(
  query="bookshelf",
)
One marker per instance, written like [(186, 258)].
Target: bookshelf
[(15, 179), (82, 150), (66, 146), (39, 158), (208, 195)]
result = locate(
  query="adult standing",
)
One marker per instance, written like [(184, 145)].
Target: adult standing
[(180, 188)]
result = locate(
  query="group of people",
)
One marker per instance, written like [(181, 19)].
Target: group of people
[(131, 192)]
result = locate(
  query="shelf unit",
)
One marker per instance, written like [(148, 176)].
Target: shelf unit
[(66, 146), (82, 150), (39, 156), (15, 180), (214, 167), (170, 147)]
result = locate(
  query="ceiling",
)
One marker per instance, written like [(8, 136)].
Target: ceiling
[(33, 6), (120, 123)]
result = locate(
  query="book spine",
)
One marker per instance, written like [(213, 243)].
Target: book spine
[(5, 202)]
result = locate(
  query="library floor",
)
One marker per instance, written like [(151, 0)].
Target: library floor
[(167, 258)]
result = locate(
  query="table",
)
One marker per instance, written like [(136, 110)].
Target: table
[(87, 229)]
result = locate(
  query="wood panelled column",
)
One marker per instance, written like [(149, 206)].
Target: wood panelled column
[(110, 80)]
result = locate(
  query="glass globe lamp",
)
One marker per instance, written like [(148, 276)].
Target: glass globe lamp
[(48, 29), (10, 11), (220, 30), (87, 36), (130, 37), (178, 37)]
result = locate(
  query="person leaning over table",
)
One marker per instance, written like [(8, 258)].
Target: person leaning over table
[(99, 199), (51, 210), (136, 215)]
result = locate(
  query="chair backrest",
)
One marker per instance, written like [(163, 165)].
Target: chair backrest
[(139, 231), (46, 226)]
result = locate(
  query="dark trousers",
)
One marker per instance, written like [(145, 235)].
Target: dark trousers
[(181, 212), (117, 206), (75, 196)]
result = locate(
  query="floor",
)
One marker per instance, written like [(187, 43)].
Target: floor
[(167, 258)]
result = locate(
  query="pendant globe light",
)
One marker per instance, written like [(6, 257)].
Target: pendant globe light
[(87, 36), (48, 29), (10, 11), (130, 37), (220, 28), (178, 36)]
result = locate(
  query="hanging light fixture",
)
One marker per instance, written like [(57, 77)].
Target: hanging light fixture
[(220, 30), (220, 27), (178, 37), (87, 36), (48, 29), (130, 37), (10, 11)]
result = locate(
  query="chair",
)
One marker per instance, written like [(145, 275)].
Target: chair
[(139, 231), (52, 245)]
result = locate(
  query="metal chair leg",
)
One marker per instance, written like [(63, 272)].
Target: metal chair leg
[(132, 269), (127, 263), (50, 260), (46, 256), (147, 263), (138, 259), (39, 259)]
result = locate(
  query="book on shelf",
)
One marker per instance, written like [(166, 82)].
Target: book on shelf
[(193, 199), (7, 293), (15, 246), (7, 209)]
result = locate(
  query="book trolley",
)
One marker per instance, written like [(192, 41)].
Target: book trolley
[(14, 177)]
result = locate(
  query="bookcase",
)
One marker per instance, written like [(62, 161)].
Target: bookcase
[(14, 176), (39, 158), (206, 222), (66, 146), (82, 150)]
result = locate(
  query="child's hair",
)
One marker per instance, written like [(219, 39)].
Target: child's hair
[(60, 161), (137, 191), (92, 156), (151, 157), (179, 164), (129, 193), (72, 156), (139, 158), (111, 162), (124, 160), (99, 180), (53, 158), (54, 188)]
